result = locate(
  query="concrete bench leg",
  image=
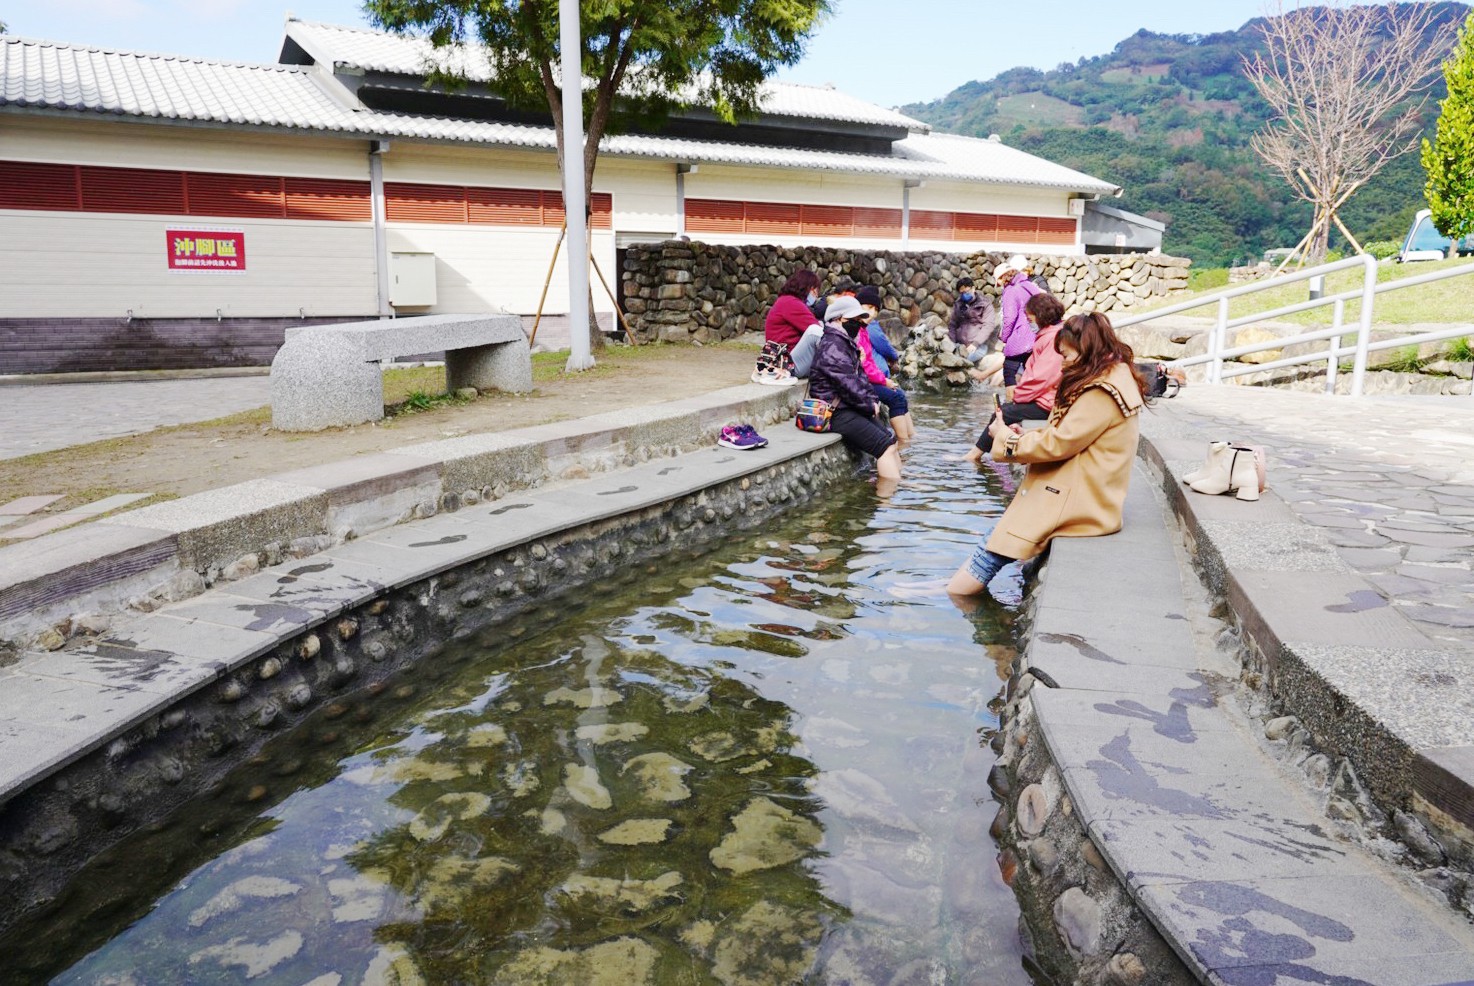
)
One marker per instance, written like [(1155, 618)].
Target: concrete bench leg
[(321, 380), (501, 366)]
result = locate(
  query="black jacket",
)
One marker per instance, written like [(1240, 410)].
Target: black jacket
[(836, 376)]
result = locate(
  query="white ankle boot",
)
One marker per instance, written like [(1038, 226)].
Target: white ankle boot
[(1243, 480), (1229, 469), (1216, 451)]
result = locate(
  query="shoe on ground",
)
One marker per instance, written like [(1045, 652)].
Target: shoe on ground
[(751, 432), (774, 378), (741, 437)]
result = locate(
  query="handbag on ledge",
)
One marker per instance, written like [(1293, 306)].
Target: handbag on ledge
[(813, 414)]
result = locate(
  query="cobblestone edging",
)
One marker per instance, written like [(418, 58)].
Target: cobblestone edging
[(1080, 922), (680, 291), (140, 775), (79, 580)]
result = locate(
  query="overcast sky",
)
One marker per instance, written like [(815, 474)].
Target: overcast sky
[(890, 52)]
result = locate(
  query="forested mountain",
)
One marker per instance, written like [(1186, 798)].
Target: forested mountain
[(1168, 117)]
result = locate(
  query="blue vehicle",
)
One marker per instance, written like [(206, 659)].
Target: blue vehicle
[(1425, 242)]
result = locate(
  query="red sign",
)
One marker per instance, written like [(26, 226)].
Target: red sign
[(206, 249)]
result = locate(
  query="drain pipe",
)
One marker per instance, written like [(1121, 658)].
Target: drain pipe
[(377, 150)]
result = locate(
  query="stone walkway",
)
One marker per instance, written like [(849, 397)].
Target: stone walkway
[(42, 417), (1391, 480)]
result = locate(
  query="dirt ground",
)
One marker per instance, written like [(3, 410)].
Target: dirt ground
[(185, 459)]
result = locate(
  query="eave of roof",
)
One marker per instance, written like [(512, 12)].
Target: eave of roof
[(65, 80), (337, 46)]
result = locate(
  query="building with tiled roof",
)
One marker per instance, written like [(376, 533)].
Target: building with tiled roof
[(159, 210)]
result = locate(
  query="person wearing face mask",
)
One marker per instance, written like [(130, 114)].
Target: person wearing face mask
[(1079, 464), (891, 395), (836, 378), (784, 328), (973, 321)]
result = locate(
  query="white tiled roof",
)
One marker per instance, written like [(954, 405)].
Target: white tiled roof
[(45, 76), (376, 51)]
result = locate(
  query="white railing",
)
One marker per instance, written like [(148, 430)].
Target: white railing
[(1219, 352)]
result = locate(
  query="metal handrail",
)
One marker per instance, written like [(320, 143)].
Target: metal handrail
[(1219, 352)]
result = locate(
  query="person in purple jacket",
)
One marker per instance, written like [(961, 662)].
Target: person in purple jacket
[(837, 379), (1016, 332)]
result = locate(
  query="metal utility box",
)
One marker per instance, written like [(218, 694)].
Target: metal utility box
[(411, 280)]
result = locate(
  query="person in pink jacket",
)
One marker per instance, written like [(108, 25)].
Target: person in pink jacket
[(1032, 398), (892, 396)]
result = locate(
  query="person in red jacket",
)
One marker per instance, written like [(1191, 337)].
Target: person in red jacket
[(784, 327), (1032, 398)]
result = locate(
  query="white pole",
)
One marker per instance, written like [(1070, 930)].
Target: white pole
[(1364, 330), (579, 357)]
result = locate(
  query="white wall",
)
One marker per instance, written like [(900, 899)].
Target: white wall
[(60, 264), (133, 145), (98, 265)]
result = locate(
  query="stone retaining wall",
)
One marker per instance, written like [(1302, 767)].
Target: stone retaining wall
[(680, 291), (49, 831)]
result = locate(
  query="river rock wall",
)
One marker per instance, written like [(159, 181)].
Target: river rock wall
[(681, 291)]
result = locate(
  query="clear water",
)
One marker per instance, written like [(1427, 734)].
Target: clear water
[(765, 763)]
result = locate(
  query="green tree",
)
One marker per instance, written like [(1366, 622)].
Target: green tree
[(1449, 158), (641, 59)]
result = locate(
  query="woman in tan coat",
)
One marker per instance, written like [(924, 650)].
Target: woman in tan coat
[(1079, 464)]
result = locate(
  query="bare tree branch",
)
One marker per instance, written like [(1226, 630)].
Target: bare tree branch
[(1346, 84)]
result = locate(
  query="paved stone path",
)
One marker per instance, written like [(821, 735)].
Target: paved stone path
[(1391, 480), (42, 417)]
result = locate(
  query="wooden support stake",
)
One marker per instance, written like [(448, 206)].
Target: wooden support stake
[(532, 340), (613, 300)]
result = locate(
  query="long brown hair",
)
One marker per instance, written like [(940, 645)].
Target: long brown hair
[(1099, 347)]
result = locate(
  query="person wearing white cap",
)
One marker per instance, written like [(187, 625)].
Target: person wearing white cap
[(1015, 331), (836, 377)]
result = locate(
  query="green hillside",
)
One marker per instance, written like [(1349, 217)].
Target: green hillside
[(1168, 117)]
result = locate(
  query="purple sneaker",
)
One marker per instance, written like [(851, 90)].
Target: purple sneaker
[(751, 432), (740, 437)]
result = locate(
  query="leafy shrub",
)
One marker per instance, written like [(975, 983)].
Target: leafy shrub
[(1384, 249)]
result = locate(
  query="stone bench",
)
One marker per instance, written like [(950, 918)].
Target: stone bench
[(326, 376)]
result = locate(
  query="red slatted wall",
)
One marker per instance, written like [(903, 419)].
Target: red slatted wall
[(882, 224), (132, 190), (329, 199), (39, 186), (149, 191), (714, 216)]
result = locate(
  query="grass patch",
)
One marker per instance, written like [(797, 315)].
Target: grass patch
[(1207, 278), (1035, 110), (1442, 302), (1404, 360), (1460, 351)]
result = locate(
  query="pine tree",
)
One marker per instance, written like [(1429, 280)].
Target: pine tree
[(1449, 159)]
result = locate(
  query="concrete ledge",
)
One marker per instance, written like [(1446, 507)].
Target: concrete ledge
[(177, 549), (1330, 648), (124, 724), (1151, 825)]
